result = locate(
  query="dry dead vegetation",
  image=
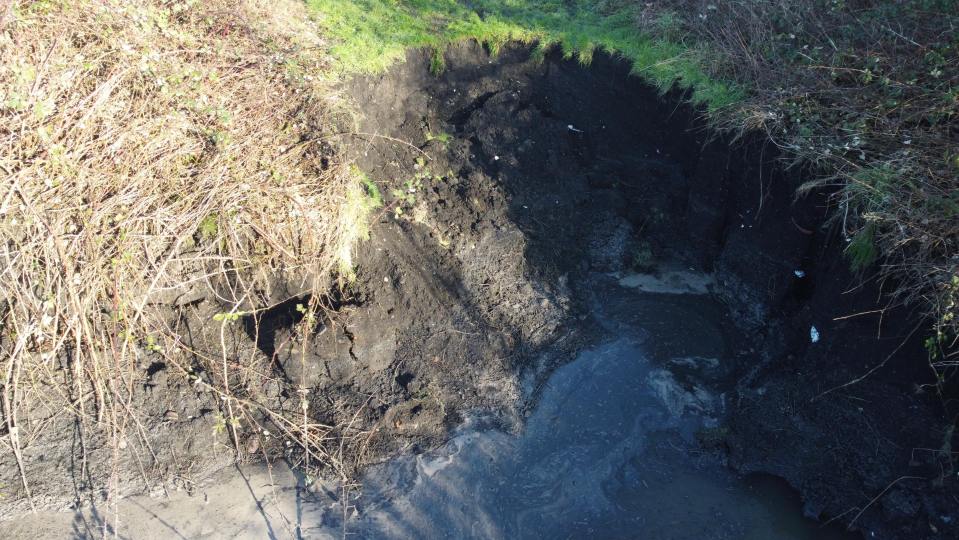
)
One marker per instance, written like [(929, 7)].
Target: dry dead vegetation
[(150, 149)]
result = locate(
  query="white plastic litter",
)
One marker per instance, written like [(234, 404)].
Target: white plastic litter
[(813, 334), (571, 128), (799, 273)]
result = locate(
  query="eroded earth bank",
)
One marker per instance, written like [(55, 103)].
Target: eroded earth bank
[(537, 212)]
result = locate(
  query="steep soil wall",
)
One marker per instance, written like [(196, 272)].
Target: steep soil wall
[(882, 443)]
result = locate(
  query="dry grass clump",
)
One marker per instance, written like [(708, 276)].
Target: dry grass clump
[(865, 93), (149, 150)]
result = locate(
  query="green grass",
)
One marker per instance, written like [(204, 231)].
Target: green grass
[(441, 137), (370, 35), (362, 198), (372, 191), (862, 251)]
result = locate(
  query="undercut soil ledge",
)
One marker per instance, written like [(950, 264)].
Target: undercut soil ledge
[(506, 181)]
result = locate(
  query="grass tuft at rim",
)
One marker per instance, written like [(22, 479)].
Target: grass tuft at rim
[(370, 35)]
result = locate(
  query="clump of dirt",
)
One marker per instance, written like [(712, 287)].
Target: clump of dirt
[(507, 182)]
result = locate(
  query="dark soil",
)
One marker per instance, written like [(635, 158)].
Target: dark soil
[(508, 181), (590, 170)]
